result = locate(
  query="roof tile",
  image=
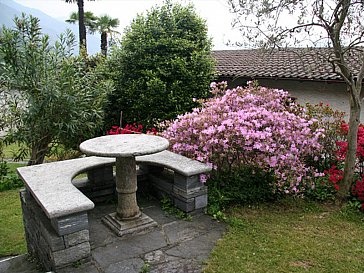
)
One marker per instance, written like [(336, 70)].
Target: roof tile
[(294, 63)]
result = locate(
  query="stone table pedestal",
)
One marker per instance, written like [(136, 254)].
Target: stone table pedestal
[(127, 219)]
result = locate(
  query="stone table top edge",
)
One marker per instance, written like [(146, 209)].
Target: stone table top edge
[(124, 145)]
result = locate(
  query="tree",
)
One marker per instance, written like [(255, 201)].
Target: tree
[(81, 24), (105, 25), (163, 62), (336, 24), (48, 96), (89, 20)]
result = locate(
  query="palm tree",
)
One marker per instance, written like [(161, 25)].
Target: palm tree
[(90, 21), (105, 25), (81, 24)]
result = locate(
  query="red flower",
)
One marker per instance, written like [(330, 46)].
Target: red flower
[(343, 145), (357, 189), (114, 130), (130, 129), (335, 174)]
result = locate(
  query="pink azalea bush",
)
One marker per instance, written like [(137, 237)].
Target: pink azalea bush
[(252, 126)]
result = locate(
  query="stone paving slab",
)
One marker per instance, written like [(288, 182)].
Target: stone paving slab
[(130, 265), (173, 246), (18, 264), (178, 266)]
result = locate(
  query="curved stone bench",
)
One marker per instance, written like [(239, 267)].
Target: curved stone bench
[(55, 210)]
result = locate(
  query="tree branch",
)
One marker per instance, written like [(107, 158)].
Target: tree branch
[(360, 76), (357, 41)]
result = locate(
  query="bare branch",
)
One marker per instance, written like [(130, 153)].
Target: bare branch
[(356, 42), (334, 17), (303, 26)]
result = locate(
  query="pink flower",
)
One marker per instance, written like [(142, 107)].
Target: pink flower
[(251, 125), (203, 178)]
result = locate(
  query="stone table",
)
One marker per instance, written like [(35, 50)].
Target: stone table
[(125, 147)]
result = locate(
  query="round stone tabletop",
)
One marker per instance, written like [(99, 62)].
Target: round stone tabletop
[(124, 145)]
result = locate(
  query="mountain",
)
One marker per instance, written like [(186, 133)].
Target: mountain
[(51, 26)]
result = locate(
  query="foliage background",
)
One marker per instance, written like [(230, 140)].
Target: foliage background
[(48, 95), (163, 62)]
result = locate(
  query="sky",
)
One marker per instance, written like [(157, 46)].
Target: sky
[(215, 12)]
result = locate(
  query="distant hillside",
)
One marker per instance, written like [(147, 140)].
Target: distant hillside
[(51, 26)]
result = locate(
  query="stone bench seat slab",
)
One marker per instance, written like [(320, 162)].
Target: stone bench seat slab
[(175, 162), (50, 184)]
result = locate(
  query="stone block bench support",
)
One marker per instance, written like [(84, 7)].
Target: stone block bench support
[(55, 211), (183, 184)]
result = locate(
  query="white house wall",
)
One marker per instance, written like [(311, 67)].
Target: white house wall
[(313, 92)]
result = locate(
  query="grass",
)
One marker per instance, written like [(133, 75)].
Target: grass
[(57, 153), (10, 149), (291, 236), (12, 240), (12, 166)]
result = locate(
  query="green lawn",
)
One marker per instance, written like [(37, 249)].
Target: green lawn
[(291, 236), (11, 224), (10, 149), (57, 154), (12, 166), (286, 236)]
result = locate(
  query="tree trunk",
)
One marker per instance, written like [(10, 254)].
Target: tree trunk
[(39, 151), (104, 43), (350, 160), (81, 27)]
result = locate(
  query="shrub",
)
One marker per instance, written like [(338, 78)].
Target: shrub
[(357, 193), (59, 98), (357, 187), (4, 169), (252, 126), (8, 180), (343, 147), (245, 185), (163, 62), (331, 121), (326, 187)]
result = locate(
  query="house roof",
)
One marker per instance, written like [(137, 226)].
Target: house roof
[(293, 63)]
